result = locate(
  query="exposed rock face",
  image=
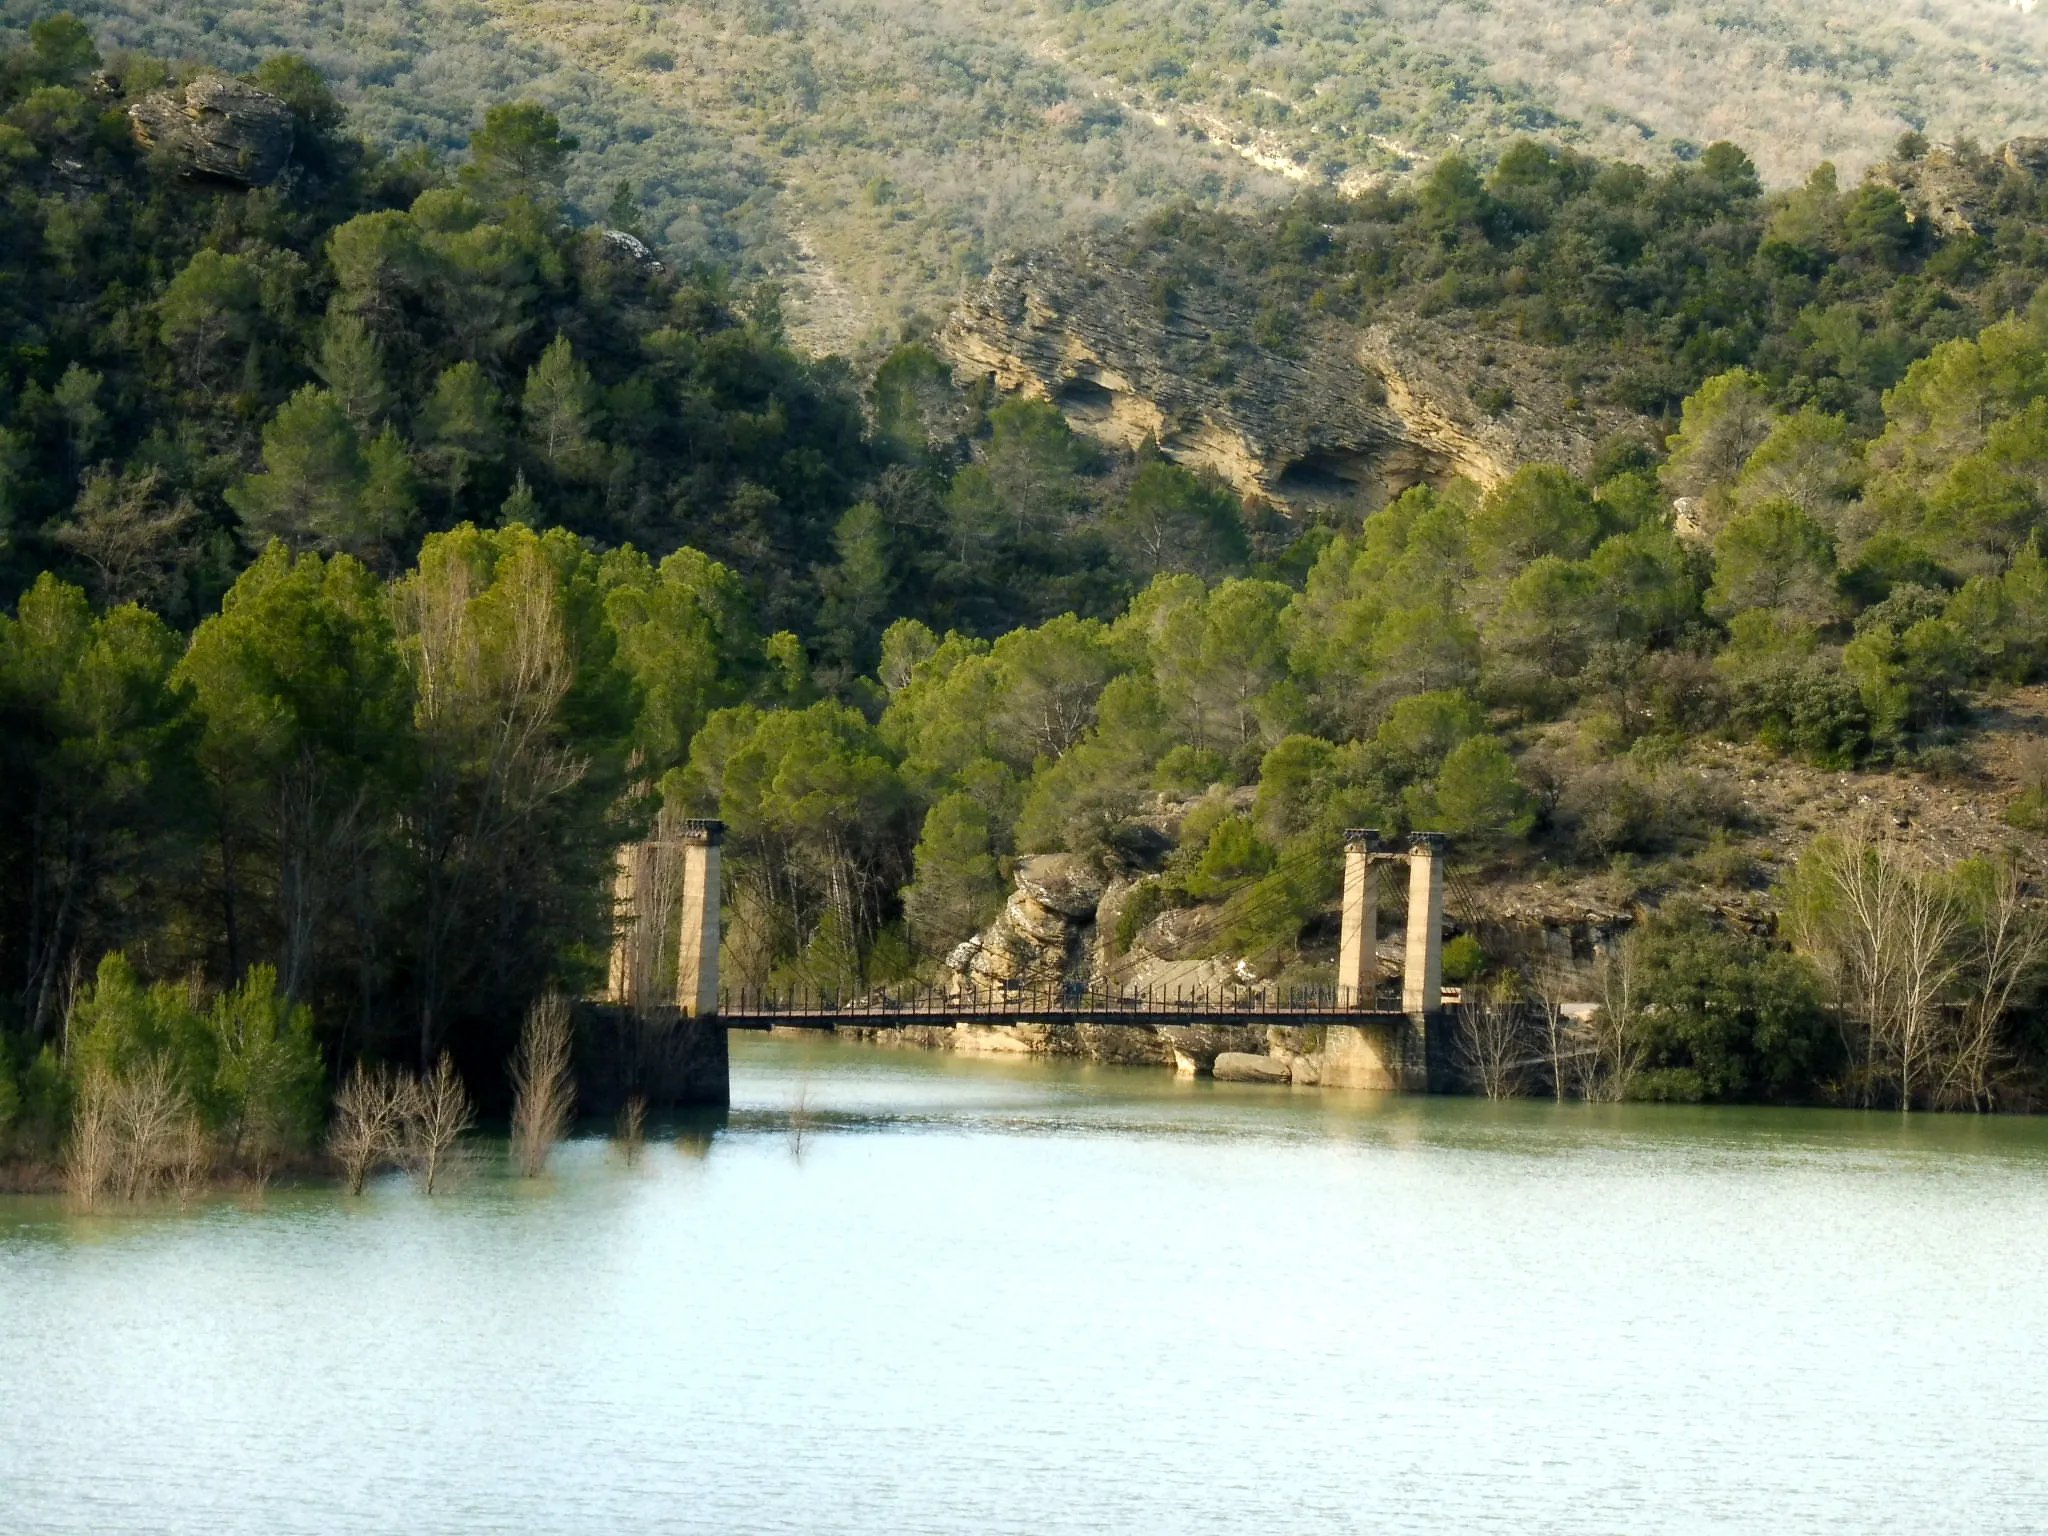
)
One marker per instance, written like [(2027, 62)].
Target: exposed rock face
[(1372, 410), (1042, 937), (1939, 188), (2028, 155), (1955, 191), (217, 129), (1049, 935), (1243, 1067), (1062, 883)]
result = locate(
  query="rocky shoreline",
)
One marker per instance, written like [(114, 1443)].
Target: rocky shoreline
[(1325, 1056)]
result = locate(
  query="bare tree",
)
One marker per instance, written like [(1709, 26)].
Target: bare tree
[(2004, 948), (1492, 1046), (1929, 924), (128, 531), (92, 1150), (437, 1113), (801, 1118), (491, 694), (189, 1159), (151, 1114), (369, 1123), (544, 1093), (1926, 963), (1618, 1046), (633, 1127), (1564, 1054)]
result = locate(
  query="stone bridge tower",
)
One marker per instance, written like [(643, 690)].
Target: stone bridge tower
[(1375, 1056)]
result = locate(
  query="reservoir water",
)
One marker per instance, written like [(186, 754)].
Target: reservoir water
[(907, 1292)]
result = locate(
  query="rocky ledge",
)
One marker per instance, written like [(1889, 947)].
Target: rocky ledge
[(1341, 410), (217, 129)]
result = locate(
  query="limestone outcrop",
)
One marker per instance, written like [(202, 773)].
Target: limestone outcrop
[(1954, 189), (1040, 940), (217, 129), (1244, 1067), (1343, 410)]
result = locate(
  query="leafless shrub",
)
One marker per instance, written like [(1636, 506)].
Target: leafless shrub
[(190, 1161), (369, 1123), (151, 1115), (1492, 1046), (437, 1112), (801, 1119), (544, 1093), (632, 1132), (93, 1150), (130, 530)]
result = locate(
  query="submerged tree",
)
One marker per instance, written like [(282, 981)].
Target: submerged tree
[(543, 1092)]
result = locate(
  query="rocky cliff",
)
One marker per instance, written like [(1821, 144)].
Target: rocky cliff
[(1336, 411)]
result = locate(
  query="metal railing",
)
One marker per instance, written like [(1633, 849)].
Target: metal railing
[(1059, 1002)]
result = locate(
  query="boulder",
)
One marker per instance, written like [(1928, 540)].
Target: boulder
[(1006, 955), (217, 129), (1036, 921), (1062, 883), (630, 248), (1243, 1067)]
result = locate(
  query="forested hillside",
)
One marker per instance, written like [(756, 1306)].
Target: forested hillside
[(879, 156), (384, 549)]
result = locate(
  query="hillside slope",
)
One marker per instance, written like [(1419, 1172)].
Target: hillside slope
[(880, 154)]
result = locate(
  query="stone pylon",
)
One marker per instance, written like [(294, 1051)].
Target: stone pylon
[(1422, 971), (697, 928), (1358, 965)]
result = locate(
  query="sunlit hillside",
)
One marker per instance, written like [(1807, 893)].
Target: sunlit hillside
[(877, 154)]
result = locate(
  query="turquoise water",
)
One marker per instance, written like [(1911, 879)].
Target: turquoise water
[(909, 1292)]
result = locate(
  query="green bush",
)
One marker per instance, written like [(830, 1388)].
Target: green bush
[(1806, 709), (1463, 959), (1233, 855), (1189, 770), (1726, 1015), (247, 1064)]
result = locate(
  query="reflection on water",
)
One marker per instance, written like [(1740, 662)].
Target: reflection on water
[(906, 1292)]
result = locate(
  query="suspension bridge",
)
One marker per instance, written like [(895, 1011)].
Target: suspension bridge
[(1391, 1016)]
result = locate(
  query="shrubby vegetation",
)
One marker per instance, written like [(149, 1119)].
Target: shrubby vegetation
[(1634, 287), (416, 78), (1339, 89), (388, 551), (907, 144)]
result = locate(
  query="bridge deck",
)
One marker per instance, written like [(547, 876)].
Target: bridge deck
[(753, 1012)]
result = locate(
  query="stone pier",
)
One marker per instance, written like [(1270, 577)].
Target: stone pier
[(1358, 940), (1422, 966), (656, 1031), (698, 927)]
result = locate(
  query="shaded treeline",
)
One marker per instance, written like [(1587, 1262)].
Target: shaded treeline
[(404, 796)]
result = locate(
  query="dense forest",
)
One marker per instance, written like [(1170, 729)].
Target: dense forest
[(385, 546)]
